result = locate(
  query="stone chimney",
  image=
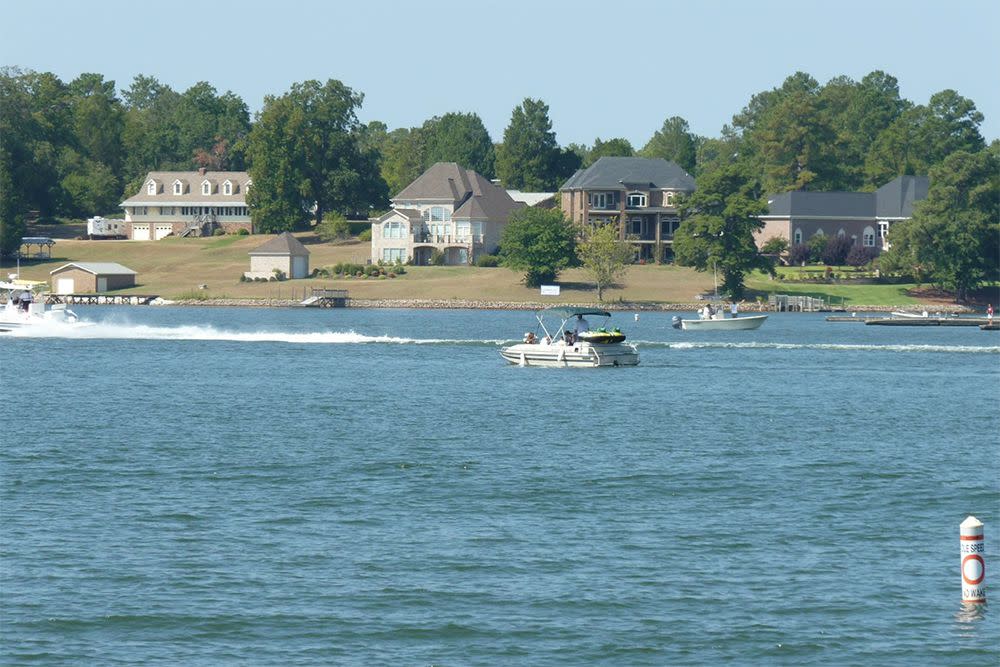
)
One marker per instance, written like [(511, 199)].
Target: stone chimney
[(202, 170)]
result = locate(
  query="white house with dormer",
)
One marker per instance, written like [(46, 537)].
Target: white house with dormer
[(447, 209), (188, 203)]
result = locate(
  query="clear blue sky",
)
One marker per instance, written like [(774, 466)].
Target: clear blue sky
[(606, 69)]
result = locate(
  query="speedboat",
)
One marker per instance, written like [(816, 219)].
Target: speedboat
[(711, 320), (593, 347), (19, 312)]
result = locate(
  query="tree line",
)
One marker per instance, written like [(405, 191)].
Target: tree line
[(78, 148)]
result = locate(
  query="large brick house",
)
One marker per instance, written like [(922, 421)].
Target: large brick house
[(453, 210), (188, 203), (637, 194), (864, 217)]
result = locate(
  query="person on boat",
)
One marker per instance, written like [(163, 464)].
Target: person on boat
[(734, 309), (581, 325), (568, 337), (529, 338), (989, 312), (25, 300)]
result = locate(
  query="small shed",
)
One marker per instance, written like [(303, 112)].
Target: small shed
[(83, 277), (284, 253)]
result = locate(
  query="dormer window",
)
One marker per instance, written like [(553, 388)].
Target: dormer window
[(668, 198), (151, 188), (206, 188), (636, 200), (227, 188), (178, 188)]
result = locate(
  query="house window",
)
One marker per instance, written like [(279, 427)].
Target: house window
[(841, 233), (227, 188), (392, 230), (166, 210), (798, 237), (869, 237), (440, 214), (178, 188), (635, 226), (819, 232), (206, 188), (668, 198), (477, 230), (637, 200), (151, 188), (602, 200), (463, 230), (393, 254)]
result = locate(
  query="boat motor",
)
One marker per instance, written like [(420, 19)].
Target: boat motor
[(676, 322)]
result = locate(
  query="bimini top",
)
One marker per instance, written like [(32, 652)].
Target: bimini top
[(569, 312)]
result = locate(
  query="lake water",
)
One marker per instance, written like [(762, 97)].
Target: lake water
[(198, 486)]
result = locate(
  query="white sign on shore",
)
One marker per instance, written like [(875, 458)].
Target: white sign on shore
[(550, 290)]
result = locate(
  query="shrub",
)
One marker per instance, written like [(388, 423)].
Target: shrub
[(437, 257), (365, 235), (279, 275), (333, 228), (243, 231), (775, 245), (798, 254), (861, 256), (836, 249), (487, 260), (817, 244), (219, 231)]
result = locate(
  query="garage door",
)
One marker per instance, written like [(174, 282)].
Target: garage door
[(140, 232), (102, 284), (160, 231), (64, 286), (300, 267)]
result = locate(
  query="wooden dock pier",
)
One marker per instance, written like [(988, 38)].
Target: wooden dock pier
[(326, 298)]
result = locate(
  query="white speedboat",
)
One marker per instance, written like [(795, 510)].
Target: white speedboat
[(19, 312), (717, 321), (563, 347)]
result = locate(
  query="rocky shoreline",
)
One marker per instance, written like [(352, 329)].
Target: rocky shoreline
[(464, 304)]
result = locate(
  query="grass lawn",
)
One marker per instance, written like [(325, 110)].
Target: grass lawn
[(174, 268)]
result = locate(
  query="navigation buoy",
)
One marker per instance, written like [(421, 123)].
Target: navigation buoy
[(972, 547)]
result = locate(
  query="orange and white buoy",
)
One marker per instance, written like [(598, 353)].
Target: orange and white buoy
[(972, 546)]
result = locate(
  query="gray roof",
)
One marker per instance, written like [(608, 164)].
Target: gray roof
[(191, 190), (282, 244), (895, 199), (472, 194), (625, 173), (98, 268)]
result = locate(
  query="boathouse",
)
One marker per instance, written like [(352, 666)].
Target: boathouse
[(82, 277), (283, 253)]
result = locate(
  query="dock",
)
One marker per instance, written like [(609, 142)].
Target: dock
[(326, 298), (928, 321)]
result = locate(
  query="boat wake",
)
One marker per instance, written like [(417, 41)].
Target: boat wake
[(103, 330), (845, 347)]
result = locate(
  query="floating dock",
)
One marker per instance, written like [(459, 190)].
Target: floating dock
[(928, 321), (326, 298)]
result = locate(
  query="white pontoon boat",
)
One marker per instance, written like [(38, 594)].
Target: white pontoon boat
[(25, 307), (565, 346)]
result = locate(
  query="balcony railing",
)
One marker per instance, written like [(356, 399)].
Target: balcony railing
[(444, 239)]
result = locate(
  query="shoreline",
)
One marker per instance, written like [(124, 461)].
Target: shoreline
[(466, 304)]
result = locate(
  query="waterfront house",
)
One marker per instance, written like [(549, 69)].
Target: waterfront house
[(188, 203), (448, 209), (84, 277), (283, 253), (865, 217), (638, 195)]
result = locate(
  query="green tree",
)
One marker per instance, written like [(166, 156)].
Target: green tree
[(540, 242), (461, 138), (923, 136), (954, 235), (529, 158), (604, 257), (306, 155), (718, 223), (333, 228), (401, 158), (616, 147), (673, 142)]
